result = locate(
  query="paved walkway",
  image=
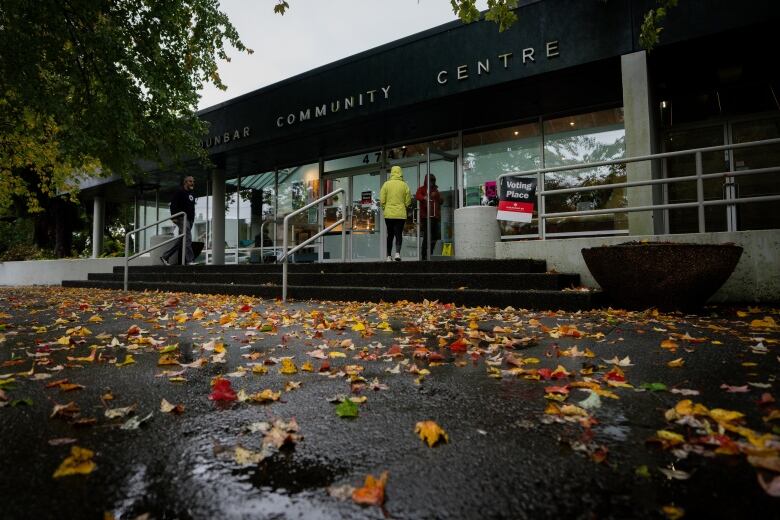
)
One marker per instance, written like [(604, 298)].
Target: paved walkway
[(600, 414)]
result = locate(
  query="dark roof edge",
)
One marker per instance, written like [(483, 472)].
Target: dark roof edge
[(455, 24)]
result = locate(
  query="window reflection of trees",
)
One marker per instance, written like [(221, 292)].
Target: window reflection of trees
[(576, 149)]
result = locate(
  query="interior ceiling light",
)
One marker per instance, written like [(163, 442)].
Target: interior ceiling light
[(571, 123), (517, 133)]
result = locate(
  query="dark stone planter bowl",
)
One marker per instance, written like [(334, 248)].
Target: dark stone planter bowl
[(669, 276)]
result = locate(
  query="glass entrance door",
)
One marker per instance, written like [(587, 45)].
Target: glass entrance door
[(363, 227), (430, 217)]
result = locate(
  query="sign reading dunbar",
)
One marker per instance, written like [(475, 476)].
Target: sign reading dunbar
[(516, 198)]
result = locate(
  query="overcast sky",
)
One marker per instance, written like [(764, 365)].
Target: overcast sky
[(314, 33)]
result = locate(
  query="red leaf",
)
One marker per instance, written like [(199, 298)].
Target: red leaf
[(325, 366), (557, 389), (545, 373), (395, 351), (459, 345), (245, 308), (222, 391)]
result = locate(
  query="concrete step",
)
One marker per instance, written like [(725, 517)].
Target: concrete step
[(529, 299), (448, 266), (517, 281)]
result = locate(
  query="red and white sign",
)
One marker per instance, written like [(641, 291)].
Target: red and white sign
[(516, 199)]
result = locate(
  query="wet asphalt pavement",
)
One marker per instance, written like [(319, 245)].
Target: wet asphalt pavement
[(506, 457)]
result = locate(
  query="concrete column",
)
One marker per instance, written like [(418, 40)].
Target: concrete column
[(218, 217), (98, 223), (640, 139)]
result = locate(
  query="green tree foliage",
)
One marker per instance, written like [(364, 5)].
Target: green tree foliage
[(93, 86)]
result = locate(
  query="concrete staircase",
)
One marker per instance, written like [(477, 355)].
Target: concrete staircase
[(519, 283)]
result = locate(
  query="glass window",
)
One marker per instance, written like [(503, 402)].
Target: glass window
[(297, 187), (488, 154), (592, 137)]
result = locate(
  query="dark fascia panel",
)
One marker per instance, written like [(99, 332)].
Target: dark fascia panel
[(584, 31)]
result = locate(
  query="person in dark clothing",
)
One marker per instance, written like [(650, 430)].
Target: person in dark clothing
[(435, 215), (183, 200)]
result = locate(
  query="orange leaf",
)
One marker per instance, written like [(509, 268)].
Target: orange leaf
[(372, 493)]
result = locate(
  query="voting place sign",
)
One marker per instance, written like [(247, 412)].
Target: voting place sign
[(516, 198)]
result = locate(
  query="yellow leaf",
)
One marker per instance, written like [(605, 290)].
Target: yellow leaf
[(674, 438), (128, 361), (336, 354), (572, 410), (64, 340), (531, 361), (430, 432), (676, 363), (198, 314), (265, 396), (219, 348), (721, 415), (167, 359), (307, 367), (259, 369), (767, 323), (78, 463), (288, 367), (358, 327), (673, 512), (95, 319)]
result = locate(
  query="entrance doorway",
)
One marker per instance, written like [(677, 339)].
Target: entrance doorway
[(366, 232), (430, 217)]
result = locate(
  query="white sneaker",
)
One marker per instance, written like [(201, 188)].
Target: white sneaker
[(397, 257), (389, 259)]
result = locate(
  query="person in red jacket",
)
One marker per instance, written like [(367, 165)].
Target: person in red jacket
[(434, 205)]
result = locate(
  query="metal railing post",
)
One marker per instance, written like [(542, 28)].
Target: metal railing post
[(540, 216), (127, 258), (344, 228), (700, 191), (341, 222), (135, 231), (184, 232)]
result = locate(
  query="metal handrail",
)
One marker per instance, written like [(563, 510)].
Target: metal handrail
[(183, 239), (699, 177), (342, 221)]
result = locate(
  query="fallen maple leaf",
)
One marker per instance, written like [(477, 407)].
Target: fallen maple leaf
[(166, 407), (373, 491), (288, 367), (430, 432), (222, 390), (676, 363), (347, 409), (78, 463)]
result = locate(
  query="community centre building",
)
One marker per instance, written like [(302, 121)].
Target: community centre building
[(567, 84)]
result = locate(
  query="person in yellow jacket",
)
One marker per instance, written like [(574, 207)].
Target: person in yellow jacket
[(394, 197)]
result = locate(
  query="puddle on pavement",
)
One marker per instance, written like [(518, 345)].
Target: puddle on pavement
[(286, 474)]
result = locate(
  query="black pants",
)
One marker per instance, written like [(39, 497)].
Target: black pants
[(427, 248), (395, 229), (176, 249)]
